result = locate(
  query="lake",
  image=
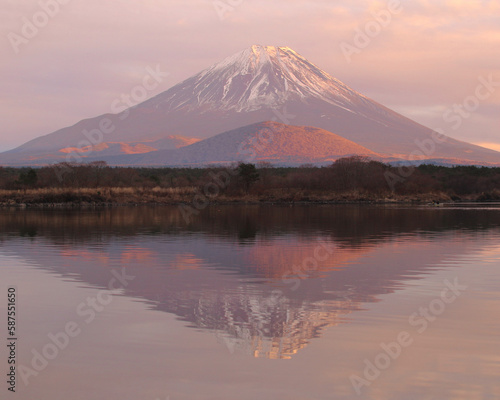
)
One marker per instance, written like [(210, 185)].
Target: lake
[(252, 302)]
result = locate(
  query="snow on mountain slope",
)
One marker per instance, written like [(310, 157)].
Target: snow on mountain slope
[(261, 76)]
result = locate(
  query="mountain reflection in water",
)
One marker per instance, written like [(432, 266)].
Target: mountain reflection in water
[(249, 274)]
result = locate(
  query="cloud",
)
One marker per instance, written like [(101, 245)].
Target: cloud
[(492, 146)]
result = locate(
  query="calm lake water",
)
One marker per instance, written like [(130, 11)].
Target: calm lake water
[(253, 302)]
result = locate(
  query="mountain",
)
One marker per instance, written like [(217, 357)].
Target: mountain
[(261, 83), (265, 141)]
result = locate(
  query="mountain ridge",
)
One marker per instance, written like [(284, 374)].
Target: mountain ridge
[(260, 83)]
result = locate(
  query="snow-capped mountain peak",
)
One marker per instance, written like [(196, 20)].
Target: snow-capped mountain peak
[(258, 77)]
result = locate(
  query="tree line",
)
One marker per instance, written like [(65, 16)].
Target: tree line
[(349, 174)]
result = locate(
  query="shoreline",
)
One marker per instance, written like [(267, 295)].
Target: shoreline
[(132, 197), (87, 206)]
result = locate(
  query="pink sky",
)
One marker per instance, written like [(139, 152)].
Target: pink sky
[(430, 56)]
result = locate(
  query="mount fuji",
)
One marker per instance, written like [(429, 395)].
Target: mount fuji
[(260, 83)]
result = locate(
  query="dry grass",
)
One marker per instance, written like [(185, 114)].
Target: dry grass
[(117, 195), (158, 195)]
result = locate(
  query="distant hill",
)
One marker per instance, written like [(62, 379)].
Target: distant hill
[(266, 141)]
